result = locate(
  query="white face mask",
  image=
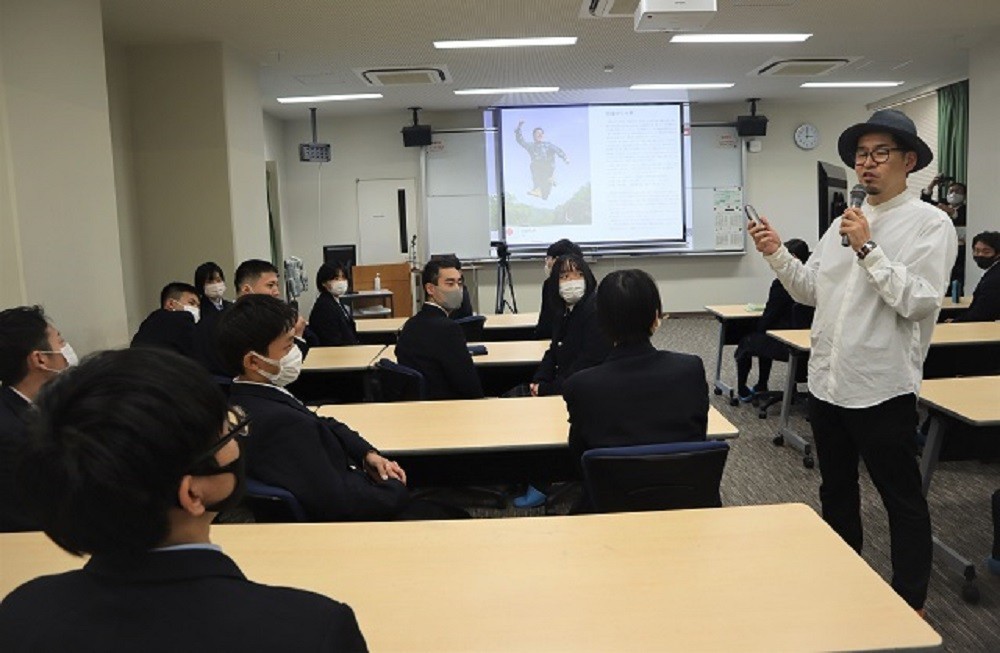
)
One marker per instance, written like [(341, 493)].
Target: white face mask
[(572, 291), (193, 310), (289, 367), (338, 287), (215, 290), (955, 198), (67, 352)]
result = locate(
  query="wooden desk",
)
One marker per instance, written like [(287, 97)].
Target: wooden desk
[(798, 342), (473, 425), (502, 322), (735, 321), (360, 357), (974, 400), (685, 580)]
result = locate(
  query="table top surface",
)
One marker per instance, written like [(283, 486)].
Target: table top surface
[(744, 311), (953, 333), (385, 292), (716, 579), (473, 424), (502, 321), (360, 357), (972, 399)]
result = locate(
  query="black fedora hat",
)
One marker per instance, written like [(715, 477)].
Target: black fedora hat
[(892, 122)]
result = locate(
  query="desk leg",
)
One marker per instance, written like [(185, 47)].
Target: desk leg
[(951, 558), (721, 387), (785, 432)]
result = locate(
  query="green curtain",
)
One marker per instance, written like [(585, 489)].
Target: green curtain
[(953, 130)]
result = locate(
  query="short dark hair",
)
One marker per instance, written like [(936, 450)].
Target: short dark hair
[(175, 289), (448, 261), (628, 302), (991, 238), (573, 262), (329, 271), (22, 331), (251, 270), (109, 444), (798, 248), (965, 188), (204, 272), (432, 271), (252, 323), (536, 130), (563, 246)]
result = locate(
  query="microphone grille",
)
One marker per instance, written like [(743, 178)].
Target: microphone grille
[(858, 192)]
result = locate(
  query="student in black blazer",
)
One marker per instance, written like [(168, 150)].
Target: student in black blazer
[(638, 395), (431, 343), (334, 473), (985, 306), (552, 308), (32, 353), (780, 312), (211, 285), (154, 423), (330, 320), (172, 326), (578, 341)]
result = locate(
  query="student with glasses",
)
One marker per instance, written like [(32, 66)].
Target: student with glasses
[(133, 455), (877, 300)]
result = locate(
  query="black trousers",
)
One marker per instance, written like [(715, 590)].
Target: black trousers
[(882, 436)]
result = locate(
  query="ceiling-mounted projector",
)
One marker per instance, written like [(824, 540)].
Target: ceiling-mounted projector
[(673, 15)]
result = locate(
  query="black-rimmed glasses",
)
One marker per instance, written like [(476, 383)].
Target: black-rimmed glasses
[(879, 155)]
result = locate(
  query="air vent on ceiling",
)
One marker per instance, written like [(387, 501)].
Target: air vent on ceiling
[(404, 75), (801, 66), (608, 8)]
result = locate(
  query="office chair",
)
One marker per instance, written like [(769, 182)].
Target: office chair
[(270, 504), (655, 476), (395, 382), (473, 327), (802, 317)]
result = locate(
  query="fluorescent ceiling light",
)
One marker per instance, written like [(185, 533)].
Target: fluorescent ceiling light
[(739, 38), (329, 98), (504, 91), (850, 84), (505, 43), (680, 87)]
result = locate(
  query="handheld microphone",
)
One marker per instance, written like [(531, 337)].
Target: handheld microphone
[(858, 195)]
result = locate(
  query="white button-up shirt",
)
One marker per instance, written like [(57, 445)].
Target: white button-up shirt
[(874, 317)]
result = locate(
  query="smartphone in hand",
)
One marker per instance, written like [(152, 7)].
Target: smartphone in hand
[(751, 215)]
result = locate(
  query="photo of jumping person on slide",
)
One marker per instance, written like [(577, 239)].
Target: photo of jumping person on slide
[(543, 160)]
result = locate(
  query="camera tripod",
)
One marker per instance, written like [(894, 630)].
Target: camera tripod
[(505, 280)]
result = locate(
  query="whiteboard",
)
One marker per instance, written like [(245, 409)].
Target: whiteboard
[(458, 204)]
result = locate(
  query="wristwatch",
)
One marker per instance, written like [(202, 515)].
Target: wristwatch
[(866, 249)]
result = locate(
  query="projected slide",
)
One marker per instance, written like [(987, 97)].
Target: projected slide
[(603, 173)]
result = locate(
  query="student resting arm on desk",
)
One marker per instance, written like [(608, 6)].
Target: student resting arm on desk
[(131, 459)]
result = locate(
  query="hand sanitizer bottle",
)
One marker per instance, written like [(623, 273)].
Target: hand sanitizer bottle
[(378, 281)]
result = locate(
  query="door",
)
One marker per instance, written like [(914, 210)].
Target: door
[(386, 219)]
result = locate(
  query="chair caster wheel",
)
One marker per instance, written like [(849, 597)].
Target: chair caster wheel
[(718, 391), (970, 592), (778, 441), (809, 462), (762, 414), (733, 401)]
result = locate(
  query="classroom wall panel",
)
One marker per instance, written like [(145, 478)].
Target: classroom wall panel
[(984, 146), (60, 192)]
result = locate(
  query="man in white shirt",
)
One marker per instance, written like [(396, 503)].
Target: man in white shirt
[(877, 300)]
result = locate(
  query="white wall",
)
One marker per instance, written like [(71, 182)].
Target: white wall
[(984, 145), (59, 192), (781, 183)]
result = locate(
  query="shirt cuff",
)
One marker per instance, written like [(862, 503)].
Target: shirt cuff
[(778, 258)]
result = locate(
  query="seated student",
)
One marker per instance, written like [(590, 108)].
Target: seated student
[(577, 341), (985, 306), (638, 395), (211, 285), (130, 461), (172, 326), (32, 353), (334, 473), (329, 319), (433, 344), (551, 310), (465, 310), (780, 312)]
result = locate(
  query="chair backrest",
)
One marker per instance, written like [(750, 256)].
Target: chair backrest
[(472, 327), (655, 476), (272, 504), (395, 382)]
